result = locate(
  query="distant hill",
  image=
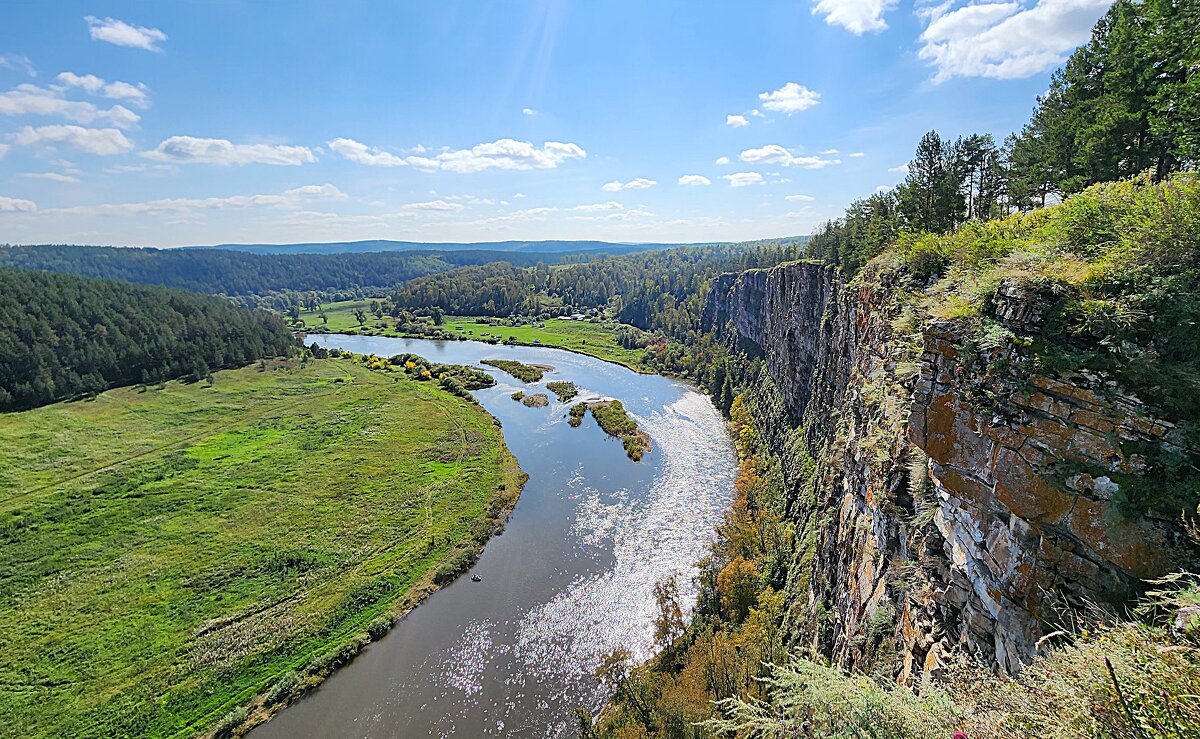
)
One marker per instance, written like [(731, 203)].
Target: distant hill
[(377, 245)]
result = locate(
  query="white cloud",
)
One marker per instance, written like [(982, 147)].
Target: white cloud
[(1005, 40), (721, 161), (638, 183), (18, 63), (791, 98), (29, 99), (856, 155), (111, 90), (528, 111), (52, 176), (856, 16), (326, 191), (776, 154), (801, 198), (293, 199), (141, 168), (737, 121), (435, 205), (15, 205), (744, 179), (509, 154), (360, 153), (694, 179), (518, 195), (830, 152), (99, 141), (599, 207), (899, 168), (192, 150), (500, 154), (3, 150), (123, 34)]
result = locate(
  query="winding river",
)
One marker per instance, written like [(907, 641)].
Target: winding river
[(570, 579)]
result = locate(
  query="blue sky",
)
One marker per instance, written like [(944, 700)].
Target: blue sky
[(178, 123)]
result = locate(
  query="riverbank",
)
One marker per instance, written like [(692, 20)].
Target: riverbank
[(196, 546)]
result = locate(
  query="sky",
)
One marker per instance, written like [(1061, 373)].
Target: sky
[(189, 123)]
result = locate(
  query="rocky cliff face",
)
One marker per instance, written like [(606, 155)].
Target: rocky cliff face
[(945, 498)]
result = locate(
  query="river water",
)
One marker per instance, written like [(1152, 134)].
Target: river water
[(570, 579)]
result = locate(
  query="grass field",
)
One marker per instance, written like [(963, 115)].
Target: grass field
[(594, 339), (169, 554)]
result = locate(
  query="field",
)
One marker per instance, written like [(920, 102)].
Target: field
[(170, 553), (594, 339)]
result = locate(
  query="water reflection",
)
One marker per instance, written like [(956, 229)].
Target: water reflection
[(571, 578)]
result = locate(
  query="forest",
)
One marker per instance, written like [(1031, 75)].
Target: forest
[(273, 280), (1125, 103), (63, 336)]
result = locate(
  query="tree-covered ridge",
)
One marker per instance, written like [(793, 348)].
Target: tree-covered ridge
[(63, 336), (659, 290), (236, 273), (1125, 103)]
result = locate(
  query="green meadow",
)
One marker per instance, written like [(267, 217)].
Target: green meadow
[(594, 339), (171, 553)]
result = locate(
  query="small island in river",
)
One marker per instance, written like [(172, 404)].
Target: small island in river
[(615, 421)]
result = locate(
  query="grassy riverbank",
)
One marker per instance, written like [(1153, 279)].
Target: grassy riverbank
[(170, 554), (597, 340)]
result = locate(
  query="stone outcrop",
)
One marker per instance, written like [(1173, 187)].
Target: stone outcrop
[(954, 500)]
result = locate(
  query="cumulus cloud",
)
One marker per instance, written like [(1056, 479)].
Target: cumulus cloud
[(899, 168), (776, 154), (801, 198), (112, 90), (509, 154), (192, 150), (98, 141), (638, 183), (15, 205), (744, 179), (736, 121), (500, 154), (857, 155), (721, 161), (326, 191), (694, 179), (856, 16), (830, 152), (3, 150), (789, 99), (360, 153), (434, 205), (52, 176), (29, 99), (124, 34), (528, 111), (1005, 40)]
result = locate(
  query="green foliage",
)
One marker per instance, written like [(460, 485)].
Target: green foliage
[(63, 336), (612, 417), (1124, 103), (564, 390), (519, 370)]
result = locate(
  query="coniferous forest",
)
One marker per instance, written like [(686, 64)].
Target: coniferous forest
[(64, 337)]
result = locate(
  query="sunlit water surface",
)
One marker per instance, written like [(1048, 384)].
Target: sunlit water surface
[(571, 578)]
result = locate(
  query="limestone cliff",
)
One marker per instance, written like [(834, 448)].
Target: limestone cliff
[(955, 498)]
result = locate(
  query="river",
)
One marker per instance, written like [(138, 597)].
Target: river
[(570, 579)]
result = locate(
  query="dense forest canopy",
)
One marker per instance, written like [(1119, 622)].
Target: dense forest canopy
[(240, 274), (1125, 103), (651, 290), (63, 336)]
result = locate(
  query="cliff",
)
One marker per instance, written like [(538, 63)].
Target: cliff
[(957, 497)]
